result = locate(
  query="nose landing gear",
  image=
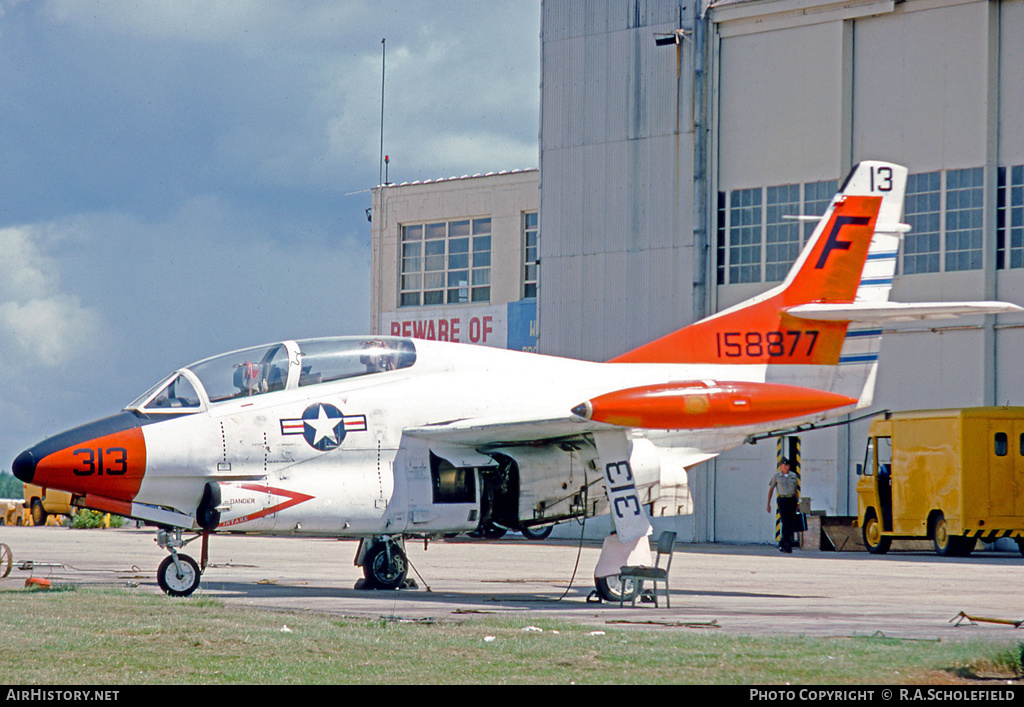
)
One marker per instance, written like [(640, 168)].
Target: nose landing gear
[(178, 574)]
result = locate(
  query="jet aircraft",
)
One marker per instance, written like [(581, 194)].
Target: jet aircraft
[(387, 438)]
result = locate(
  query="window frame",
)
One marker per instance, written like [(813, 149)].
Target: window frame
[(445, 262)]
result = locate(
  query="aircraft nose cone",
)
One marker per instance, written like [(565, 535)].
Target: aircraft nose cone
[(24, 466)]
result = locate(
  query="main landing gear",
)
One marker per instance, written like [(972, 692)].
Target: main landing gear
[(385, 565), (178, 575)]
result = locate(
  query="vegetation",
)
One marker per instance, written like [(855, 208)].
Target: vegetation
[(11, 487), (117, 637), (94, 519)]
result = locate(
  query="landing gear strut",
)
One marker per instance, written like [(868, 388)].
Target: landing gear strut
[(178, 574)]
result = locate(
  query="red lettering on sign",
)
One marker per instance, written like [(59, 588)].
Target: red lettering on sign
[(444, 329)]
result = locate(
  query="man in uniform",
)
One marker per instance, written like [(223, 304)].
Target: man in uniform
[(784, 483)]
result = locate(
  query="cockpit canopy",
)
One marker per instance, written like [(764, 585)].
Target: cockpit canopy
[(266, 369)]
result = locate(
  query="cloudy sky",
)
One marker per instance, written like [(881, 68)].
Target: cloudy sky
[(179, 178)]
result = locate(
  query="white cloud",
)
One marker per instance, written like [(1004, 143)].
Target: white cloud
[(23, 272), (196, 173), (39, 324), (254, 27), (50, 332)]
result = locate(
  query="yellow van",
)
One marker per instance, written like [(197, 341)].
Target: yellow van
[(951, 476), (43, 502)]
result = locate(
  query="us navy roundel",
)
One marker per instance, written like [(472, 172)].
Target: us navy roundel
[(323, 426)]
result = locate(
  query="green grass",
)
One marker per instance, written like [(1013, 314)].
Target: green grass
[(99, 637)]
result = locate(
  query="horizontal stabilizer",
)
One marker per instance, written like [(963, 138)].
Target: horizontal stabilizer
[(897, 311)]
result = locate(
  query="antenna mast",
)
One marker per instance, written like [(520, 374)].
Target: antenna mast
[(383, 55)]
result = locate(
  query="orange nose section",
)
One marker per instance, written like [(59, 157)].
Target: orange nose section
[(111, 466)]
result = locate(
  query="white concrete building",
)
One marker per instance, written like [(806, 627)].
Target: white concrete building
[(456, 259), (674, 137), (667, 167)]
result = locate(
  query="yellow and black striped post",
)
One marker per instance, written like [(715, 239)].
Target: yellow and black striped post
[(778, 516)]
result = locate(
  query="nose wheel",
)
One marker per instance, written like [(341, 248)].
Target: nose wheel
[(178, 575)]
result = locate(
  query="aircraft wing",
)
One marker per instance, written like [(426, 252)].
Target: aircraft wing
[(503, 431), (630, 517)]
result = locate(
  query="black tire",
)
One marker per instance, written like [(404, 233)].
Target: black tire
[(612, 588), (871, 531), (173, 585), (488, 532), (1020, 545), (967, 546), (540, 533), (947, 545), (384, 567), (494, 532), (39, 516)]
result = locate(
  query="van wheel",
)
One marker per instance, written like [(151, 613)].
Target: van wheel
[(940, 537), (876, 543), (947, 545), (38, 514)]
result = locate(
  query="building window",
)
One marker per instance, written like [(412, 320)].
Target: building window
[(531, 253), (448, 262), (782, 235), (923, 206), (817, 197), (1010, 218), (745, 235), (964, 209)]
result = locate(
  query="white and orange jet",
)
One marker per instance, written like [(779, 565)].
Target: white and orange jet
[(384, 438)]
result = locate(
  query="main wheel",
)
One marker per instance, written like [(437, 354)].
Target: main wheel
[(613, 589), (385, 567), (540, 533), (876, 543), (173, 584)]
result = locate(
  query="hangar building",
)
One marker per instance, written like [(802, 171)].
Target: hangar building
[(675, 136)]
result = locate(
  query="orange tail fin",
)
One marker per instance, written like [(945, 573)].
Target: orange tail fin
[(828, 270)]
